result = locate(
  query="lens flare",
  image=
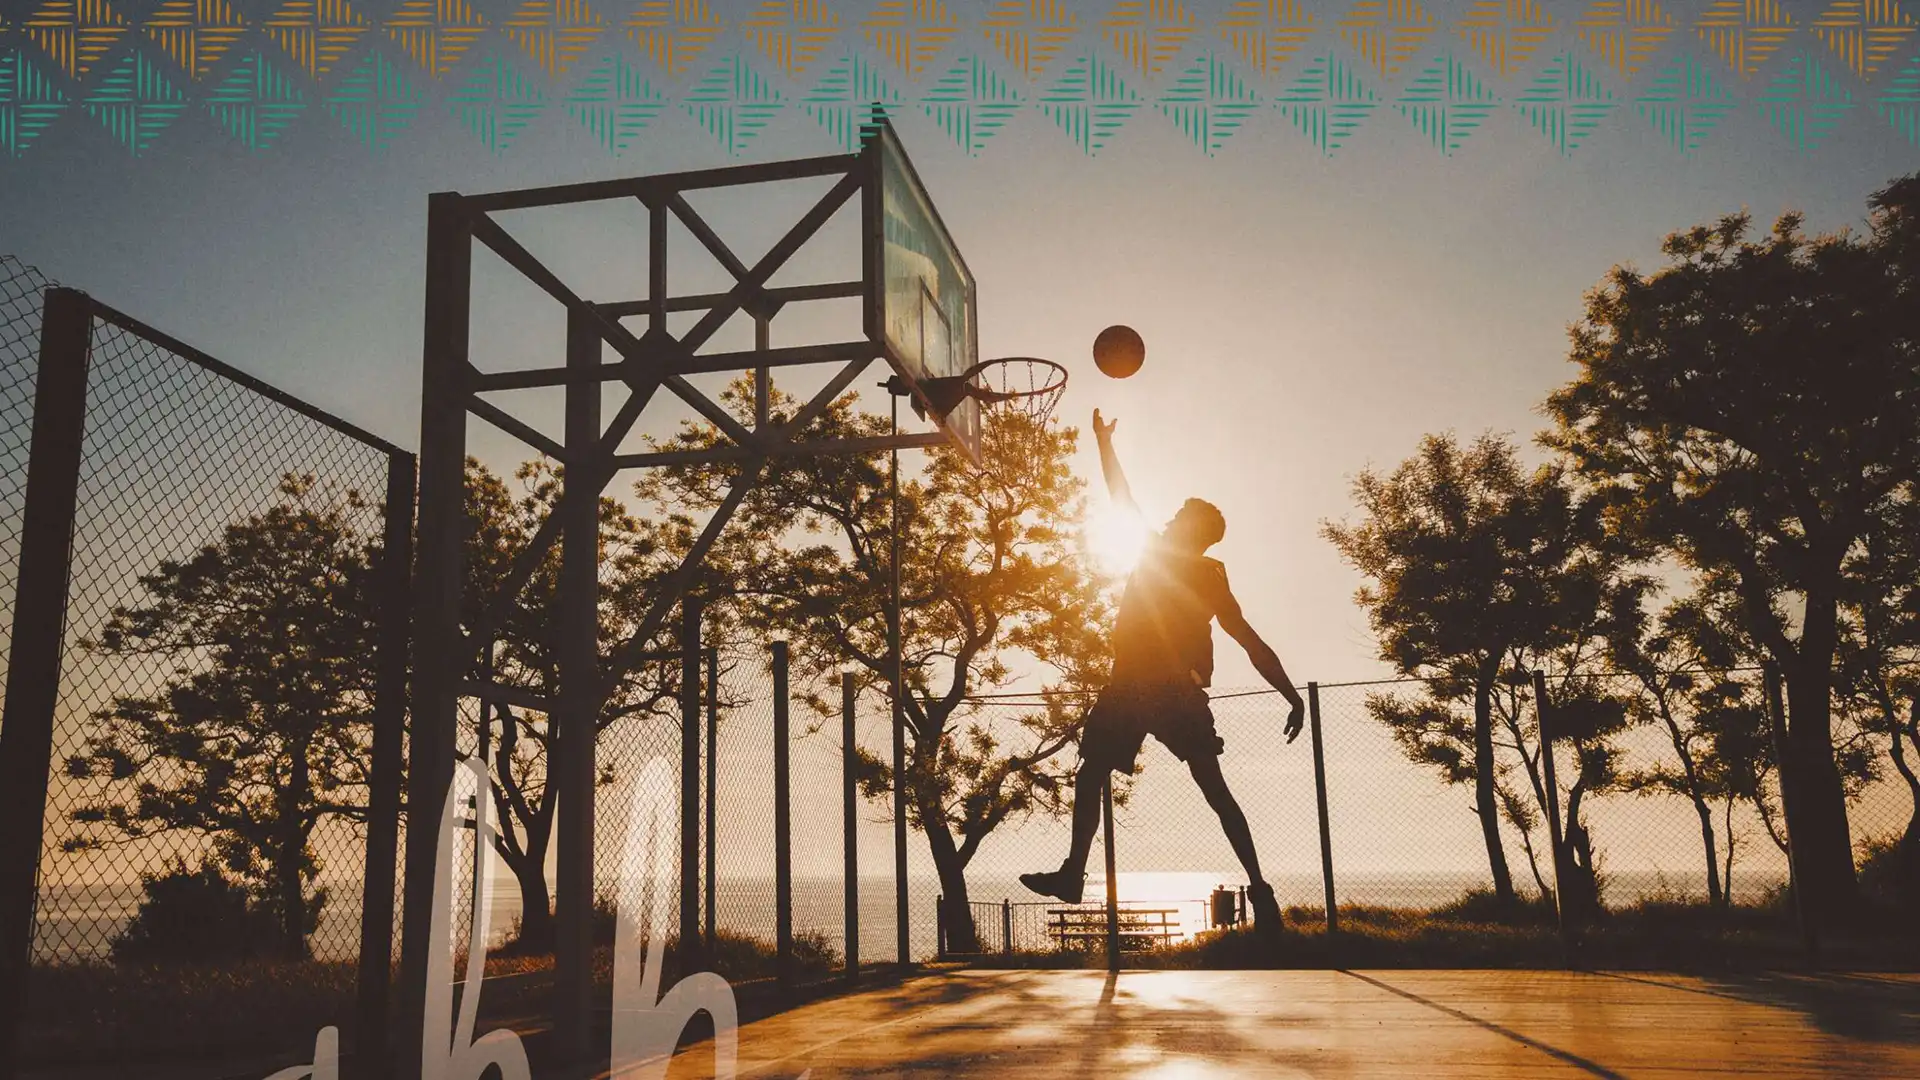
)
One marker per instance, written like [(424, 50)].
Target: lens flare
[(1116, 539)]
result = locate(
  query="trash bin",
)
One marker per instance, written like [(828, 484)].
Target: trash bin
[(1226, 909)]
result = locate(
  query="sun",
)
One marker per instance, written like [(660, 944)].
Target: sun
[(1116, 538)]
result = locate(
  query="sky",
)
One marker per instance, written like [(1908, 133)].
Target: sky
[(1307, 316)]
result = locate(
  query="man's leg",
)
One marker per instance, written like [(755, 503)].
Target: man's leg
[(1089, 785), (1067, 882), (1233, 820), (1206, 773)]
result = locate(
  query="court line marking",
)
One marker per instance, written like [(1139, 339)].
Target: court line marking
[(1575, 1060)]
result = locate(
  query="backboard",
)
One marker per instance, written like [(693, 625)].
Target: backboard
[(921, 305)]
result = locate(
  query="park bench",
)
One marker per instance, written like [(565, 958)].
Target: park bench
[(1140, 928)]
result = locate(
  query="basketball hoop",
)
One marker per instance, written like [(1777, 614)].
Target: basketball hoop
[(1025, 385)]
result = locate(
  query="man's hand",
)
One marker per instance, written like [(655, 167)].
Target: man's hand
[(1296, 716), (1103, 432)]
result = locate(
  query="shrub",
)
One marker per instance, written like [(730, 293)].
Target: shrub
[(194, 915), (1485, 906), (1890, 874)]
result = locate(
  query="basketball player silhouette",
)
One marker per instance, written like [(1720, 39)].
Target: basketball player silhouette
[(1162, 665)]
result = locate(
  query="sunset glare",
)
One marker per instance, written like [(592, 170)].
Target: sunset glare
[(1116, 538)]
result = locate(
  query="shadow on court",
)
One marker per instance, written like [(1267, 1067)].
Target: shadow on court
[(1870, 1007), (1196, 1025)]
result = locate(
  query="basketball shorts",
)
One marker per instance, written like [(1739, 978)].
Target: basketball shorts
[(1121, 719)]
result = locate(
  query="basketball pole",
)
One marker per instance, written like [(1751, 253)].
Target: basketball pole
[(901, 944)]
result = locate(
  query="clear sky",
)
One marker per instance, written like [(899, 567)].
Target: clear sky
[(1305, 316)]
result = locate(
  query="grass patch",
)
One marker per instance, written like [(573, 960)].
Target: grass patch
[(124, 1012), (1477, 931)]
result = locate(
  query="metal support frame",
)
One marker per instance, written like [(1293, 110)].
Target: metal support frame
[(581, 695), (647, 363), (1569, 923), (1320, 805), (39, 638), (782, 820), (896, 679), (383, 811)]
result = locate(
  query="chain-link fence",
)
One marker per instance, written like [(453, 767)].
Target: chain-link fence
[(1649, 798), (21, 287), (1403, 836), (219, 682)]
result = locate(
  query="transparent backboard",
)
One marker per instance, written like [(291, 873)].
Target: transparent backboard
[(925, 307)]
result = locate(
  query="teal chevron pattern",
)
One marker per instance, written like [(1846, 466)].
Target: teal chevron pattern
[(1209, 101), (1565, 102), (971, 102), (135, 102), (496, 103), (1900, 104), (1684, 104), (733, 102), (375, 102), (1447, 102), (615, 103), (1327, 103), (843, 101), (1086, 70), (255, 102), (1091, 102), (1804, 102), (29, 101)]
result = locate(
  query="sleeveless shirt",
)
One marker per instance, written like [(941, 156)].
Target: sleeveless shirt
[(1164, 631)]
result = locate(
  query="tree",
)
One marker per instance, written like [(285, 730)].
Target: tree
[(1477, 569), (501, 523), (1749, 408), (262, 729), (1880, 660), (991, 576), (1658, 654)]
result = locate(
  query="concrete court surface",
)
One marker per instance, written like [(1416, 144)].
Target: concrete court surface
[(1486, 1025)]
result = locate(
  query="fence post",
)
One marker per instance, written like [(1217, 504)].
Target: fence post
[(690, 657), (940, 926), (39, 638), (713, 783), (1542, 711), (1006, 927), (849, 833), (782, 822), (1320, 800), (1113, 880), (1777, 722), (383, 811)]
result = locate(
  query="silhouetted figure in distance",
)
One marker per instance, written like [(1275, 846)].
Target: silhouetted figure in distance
[(1162, 665)]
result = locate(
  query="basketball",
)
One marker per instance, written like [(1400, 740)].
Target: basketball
[(1119, 352)]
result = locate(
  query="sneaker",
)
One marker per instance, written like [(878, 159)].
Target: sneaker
[(1058, 884), (1266, 909)]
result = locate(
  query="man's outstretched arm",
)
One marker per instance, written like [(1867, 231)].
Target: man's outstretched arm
[(1265, 661), (1110, 465)]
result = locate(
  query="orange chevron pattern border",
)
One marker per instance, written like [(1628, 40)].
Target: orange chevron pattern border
[(1239, 48)]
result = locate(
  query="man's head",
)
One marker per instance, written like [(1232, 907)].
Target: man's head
[(1198, 526)]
